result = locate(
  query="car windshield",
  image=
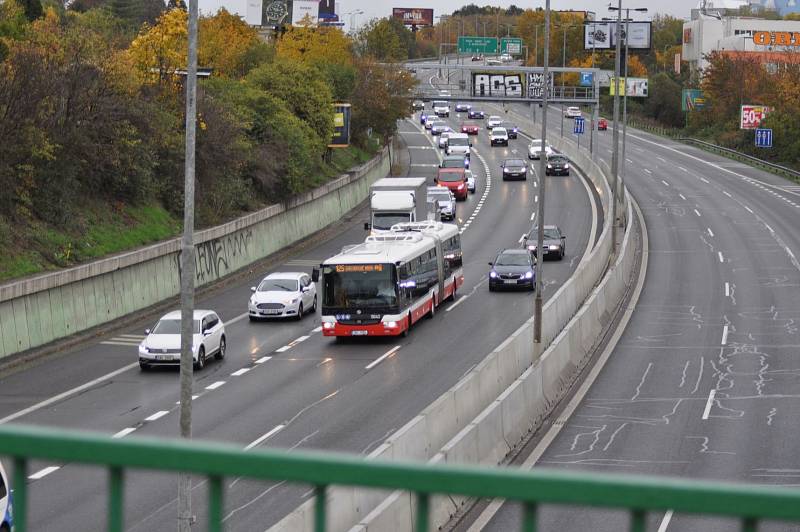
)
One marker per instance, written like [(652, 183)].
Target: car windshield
[(385, 220), (509, 126), (494, 118), (439, 124), (549, 233), (441, 197), (451, 177), (515, 162), (278, 285), (348, 286), (453, 163), (499, 131), (458, 142), (512, 259), (173, 327), (439, 103), (558, 160)]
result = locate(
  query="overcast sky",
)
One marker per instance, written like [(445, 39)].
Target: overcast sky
[(383, 8)]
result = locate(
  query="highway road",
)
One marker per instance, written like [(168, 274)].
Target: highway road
[(704, 381), (282, 384)]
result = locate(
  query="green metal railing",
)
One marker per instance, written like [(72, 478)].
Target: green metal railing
[(636, 494)]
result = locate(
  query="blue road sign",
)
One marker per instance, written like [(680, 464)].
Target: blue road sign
[(580, 123), (587, 79), (763, 138)]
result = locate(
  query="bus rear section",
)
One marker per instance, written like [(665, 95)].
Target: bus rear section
[(392, 280)]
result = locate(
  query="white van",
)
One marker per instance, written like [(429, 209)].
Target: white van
[(441, 108), (458, 144), (7, 523)]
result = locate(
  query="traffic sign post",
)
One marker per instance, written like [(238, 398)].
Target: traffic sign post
[(578, 128), (511, 45), (477, 45), (763, 138)]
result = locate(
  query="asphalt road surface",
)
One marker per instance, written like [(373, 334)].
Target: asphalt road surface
[(282, 384)]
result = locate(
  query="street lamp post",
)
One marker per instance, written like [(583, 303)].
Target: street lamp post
[(537, 303)]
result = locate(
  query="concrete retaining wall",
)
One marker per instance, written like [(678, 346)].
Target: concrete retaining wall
[(40, 309), (490, 410)]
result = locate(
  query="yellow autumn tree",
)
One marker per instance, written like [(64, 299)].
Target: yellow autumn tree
[(224, 41), (323, 45), (160, 50)]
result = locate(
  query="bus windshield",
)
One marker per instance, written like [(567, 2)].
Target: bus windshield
[(383, 221), (362, 286)]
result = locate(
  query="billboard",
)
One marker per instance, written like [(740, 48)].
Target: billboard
[(752, 115), (692, 100), (305, 8), (253, 12), (635, 87), (597, 36), (412, 16), (638, 35), (495, 84), (341, 126), (275, 13)]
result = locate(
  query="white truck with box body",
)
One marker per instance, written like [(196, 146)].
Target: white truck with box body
[(396, 200)]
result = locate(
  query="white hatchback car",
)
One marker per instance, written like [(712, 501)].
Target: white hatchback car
[(162, 345), (535, 149), (493, 121), (470, 180), (282, 295), (572, 112)]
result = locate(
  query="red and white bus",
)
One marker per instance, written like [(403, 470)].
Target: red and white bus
[(383, 286)]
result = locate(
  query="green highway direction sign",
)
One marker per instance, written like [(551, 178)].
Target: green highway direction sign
[(477, 45), (511, 45)]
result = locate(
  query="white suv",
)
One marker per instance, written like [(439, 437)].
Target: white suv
[(535, 149), (162, 345), (493, 121), (572, 112), (441, 108), (498, 136), (458, 144)]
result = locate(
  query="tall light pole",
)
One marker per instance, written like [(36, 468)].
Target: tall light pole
[(537, 302), (615, 138), (187, 272), (624, 87)]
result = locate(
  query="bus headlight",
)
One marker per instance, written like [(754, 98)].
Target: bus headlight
[(390, 324), (328, 325)]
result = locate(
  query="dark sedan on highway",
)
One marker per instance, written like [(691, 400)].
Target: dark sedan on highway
[(476, 113), (463, 107), (514, 169), (557, 165), (512, 129), (512, 268), (554, 243)]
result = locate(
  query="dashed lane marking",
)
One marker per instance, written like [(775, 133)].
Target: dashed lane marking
[(709, 402), (383, 357), (697, 212), (266, 436), (215, 385), (721, 258), (124, 432), (43, 472), (157, 415), (240, 372), (262, 360)]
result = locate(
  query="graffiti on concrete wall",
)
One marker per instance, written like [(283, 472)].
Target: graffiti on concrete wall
[(215, 258)]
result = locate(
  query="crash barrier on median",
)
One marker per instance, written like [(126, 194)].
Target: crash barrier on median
[(492, 408), (40, 309)]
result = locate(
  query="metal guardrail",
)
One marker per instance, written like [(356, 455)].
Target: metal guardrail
[(636, 494), (720, 150)]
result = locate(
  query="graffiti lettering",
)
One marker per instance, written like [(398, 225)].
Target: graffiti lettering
[(215, 258)]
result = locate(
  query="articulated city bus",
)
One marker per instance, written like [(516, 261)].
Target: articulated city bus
[(383, 286)]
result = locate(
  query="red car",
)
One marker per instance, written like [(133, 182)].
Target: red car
[(469, 129), (455, 179), (602, 124)]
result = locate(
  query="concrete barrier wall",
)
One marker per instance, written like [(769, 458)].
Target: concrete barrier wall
[(449, 423), (40, 309)]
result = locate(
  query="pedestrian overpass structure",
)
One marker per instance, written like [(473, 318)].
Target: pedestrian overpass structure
[(508, 83)]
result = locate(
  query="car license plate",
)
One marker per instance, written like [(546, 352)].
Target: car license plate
[(359, 333), (163, 357), (509, 281), (270, 311)]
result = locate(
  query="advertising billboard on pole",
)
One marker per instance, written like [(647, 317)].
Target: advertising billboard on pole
[(305, 8), (597, 36), (634, 87), (413, 16), (341, 126), (752, 115)]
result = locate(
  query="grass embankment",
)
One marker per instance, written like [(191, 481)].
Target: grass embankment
[(103, 229)]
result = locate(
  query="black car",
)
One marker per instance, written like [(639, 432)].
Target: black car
[(512, 129), (475, 113), (512, 268), (557, 165), (462, 107), (418, 105), (514, 169), (554, 243)]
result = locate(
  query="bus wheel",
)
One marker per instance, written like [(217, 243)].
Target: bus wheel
[(455, 287), (433, 307), (405, 331)]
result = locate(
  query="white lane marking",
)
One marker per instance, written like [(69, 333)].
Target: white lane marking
[(628, 161), (721, 258), (44, 472), (665, 183), (66, 394), (710, 232), (665, 522), (748, 209), (725, 335), (317, 329), (769, 228), (533, 215), (661, 159), (261, 439), (648, 171), (697, 212), (283, 349), (383, 357), (215, 385), (240, 317), (727, 289), (124, 432), (682, 197), (536, 198), (157, 415), (302, 339), (424, 165), (704, 180), (727, 193), (194, 397), (262, 360), (240, 372), (682, 168), (134, 336), (710, 401), (131, 343)]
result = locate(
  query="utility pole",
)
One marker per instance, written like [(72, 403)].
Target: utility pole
[(185, 517), (615, 138), (537, 303), (536, 45)]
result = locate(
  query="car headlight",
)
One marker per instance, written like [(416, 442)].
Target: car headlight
[(550, 166), (143, 348), (493, 274), (553, 248), (505, 170), (529, 275), (566, 166)]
